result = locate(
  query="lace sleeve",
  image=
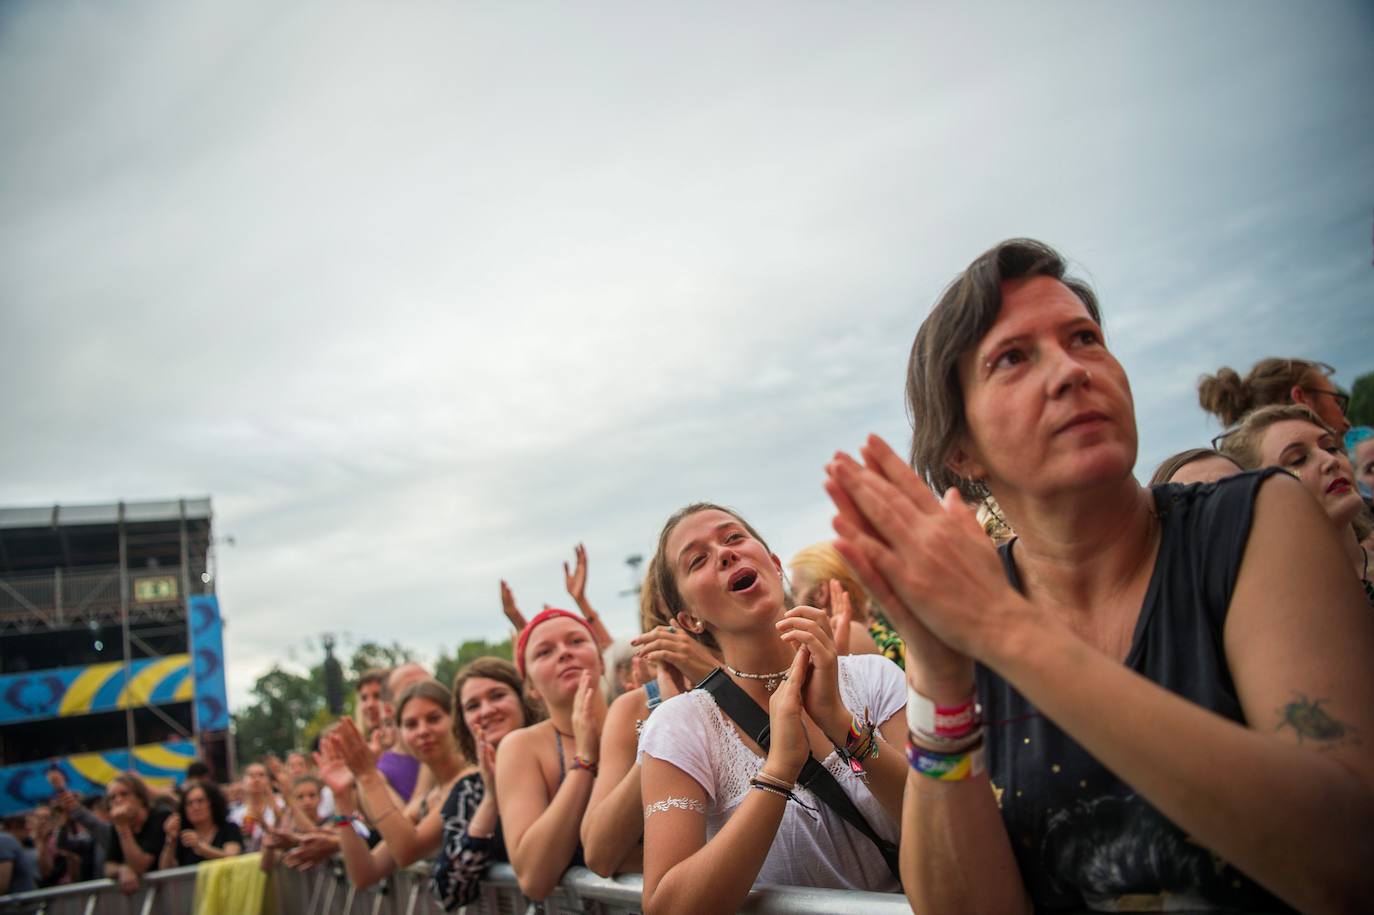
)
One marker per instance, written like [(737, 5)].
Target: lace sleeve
[(463, 858)]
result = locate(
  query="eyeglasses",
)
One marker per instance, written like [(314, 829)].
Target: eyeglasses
[(1342, 399), (1218, 440)]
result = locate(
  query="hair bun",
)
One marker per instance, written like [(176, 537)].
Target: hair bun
[(1225, 395)]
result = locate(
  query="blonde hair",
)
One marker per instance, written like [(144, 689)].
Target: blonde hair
[(1229, 397), (822, 562), (1242, 445), (989, 515)]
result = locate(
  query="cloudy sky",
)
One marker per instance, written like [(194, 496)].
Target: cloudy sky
[(423, 294)]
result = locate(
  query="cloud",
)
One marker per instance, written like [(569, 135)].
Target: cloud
[(423, 298)]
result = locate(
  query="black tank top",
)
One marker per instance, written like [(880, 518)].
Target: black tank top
[(1082, 837)]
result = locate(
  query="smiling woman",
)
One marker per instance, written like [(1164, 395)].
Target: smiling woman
[(1148, 699)]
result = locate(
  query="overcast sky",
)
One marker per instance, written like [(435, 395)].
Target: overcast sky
[(423, 294)]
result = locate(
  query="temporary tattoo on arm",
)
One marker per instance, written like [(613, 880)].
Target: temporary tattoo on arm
[(1312, 722)]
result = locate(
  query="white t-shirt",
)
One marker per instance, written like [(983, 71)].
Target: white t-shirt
[(810, 848)]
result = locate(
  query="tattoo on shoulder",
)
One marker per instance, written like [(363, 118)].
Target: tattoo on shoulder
[(1312, 722)]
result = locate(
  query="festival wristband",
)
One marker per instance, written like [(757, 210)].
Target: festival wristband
[(943, 767), (579, 762), (924, 716)]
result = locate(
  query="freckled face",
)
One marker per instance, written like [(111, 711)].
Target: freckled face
[(1315, 457), (1047, 407)]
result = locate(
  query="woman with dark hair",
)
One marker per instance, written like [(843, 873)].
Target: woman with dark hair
[(613, 826), (723, 806), (424, 719), (1275, 381), (1295, 439), (1196, 465), (491, 704), (1180, 673), (544, 772), (200, 829)]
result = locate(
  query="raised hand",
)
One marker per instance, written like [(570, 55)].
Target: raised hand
[(841, 615), (788, 746), (670, 645), (576, 579), (508, 607), (349, 744), (329, 762), (486, 762), (172, 826), (588, 716), (122, 813), (808, 628), (191, 839)]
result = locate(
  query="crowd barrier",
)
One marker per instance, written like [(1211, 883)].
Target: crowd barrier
[(325, 890)]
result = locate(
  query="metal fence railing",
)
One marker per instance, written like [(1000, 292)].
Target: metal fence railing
[(325, 890)]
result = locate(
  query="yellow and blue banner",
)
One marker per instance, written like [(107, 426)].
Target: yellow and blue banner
[(66, 691), (207, 647), (161, 765)]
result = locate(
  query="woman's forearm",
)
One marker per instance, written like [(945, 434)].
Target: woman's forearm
[(365, 866), (168, 857), (718, 876), (885, 775), (611, 829), (484, 818), (1291, 818), (547, 846), (399, 833)]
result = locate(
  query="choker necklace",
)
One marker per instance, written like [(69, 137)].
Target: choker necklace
[(770, 681)]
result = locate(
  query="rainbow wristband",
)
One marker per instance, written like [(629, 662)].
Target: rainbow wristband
[(947, 767)]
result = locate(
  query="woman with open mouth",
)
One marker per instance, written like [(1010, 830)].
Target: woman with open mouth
[(1296, 439), (814, 798), (1149, 698), (544, 773)]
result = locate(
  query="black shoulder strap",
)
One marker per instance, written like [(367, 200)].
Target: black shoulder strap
[(814, 777)]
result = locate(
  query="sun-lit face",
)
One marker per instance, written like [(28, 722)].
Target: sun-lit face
[(197, 806), (307, 795), (1206, 469), (727, 578), (1047, 407), (1364, 464), (370, 703), (1315, 457), (558, 652), (491, 708), (426, 728)]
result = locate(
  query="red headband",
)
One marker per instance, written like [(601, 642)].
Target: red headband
[(543, 617)]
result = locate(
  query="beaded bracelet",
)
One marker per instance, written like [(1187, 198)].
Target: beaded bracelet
[(580, 763), (345, 819), (947, 767)]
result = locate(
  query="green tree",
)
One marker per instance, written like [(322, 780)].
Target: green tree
[(1362, 400), (283, 704), (372, 654), (448, 665)]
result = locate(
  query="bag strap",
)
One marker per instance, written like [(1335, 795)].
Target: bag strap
[(814, 777)]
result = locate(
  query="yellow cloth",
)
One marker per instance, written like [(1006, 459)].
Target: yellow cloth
[(233, 886)]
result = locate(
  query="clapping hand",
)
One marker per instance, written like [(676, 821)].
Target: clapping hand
[(351, 747), (588, 716), (841, 615), (807, 628), (576, 578)]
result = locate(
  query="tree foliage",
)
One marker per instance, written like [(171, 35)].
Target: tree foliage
[(1362, 400), (287, 710)]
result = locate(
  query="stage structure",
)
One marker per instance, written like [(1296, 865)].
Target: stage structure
[(111, 647)]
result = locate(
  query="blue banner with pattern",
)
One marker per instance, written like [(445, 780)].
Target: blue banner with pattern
[(207, 650), (162, 765)]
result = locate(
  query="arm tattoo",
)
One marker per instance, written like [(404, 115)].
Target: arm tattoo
[(675, 803), (1312, 722)]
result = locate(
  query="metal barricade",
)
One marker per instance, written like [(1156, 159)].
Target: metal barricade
[(325, 890)]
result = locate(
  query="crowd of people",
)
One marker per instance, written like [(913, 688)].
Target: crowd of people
[(1014, 680)]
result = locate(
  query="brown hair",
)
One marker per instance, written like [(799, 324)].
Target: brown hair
[(1174, 463), (822, 562), (965, 312), (1242, 444), (667, 581), (136, 785), (1229, 397), (429, 689), (376, 675), (502, 671), (652, 611)]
